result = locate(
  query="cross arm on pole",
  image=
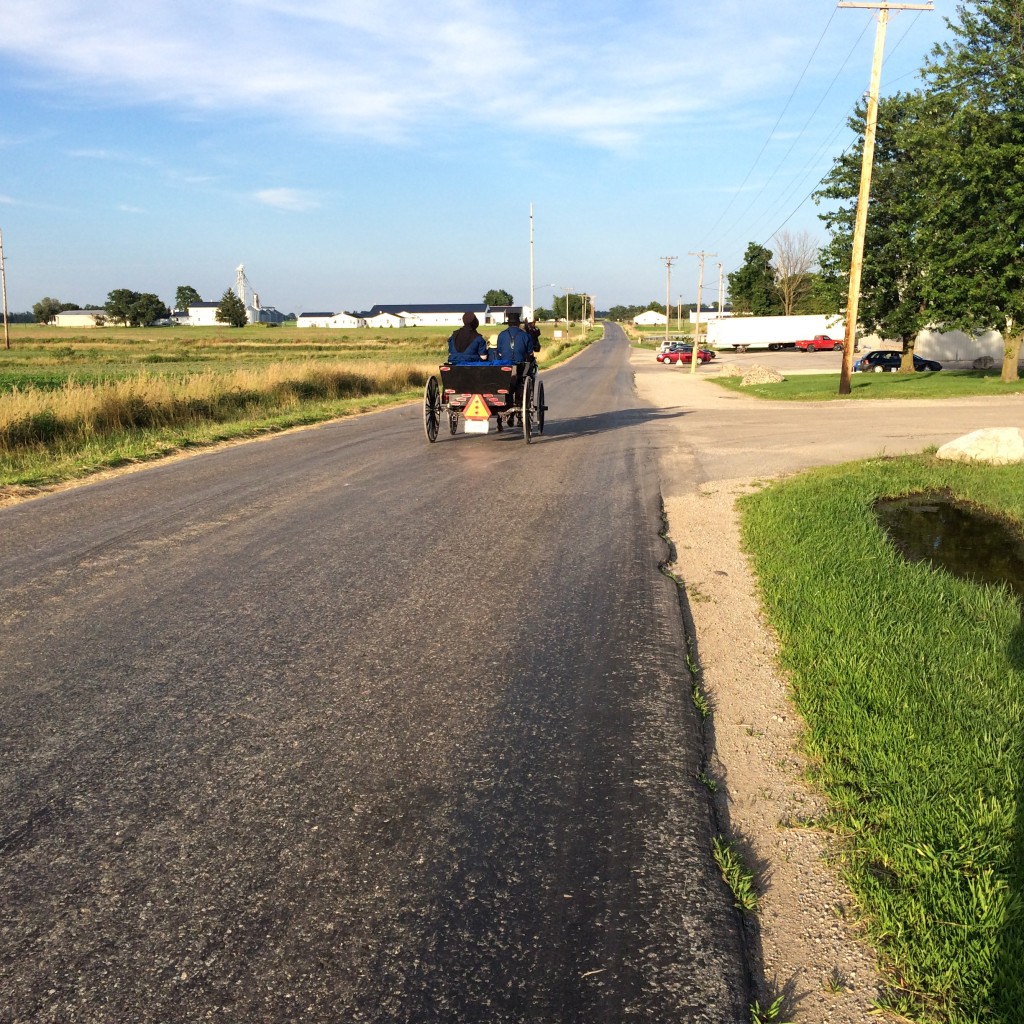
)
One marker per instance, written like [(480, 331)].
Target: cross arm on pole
[(881, 6)]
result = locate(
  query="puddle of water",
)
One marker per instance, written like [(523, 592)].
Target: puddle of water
[(960, 539)]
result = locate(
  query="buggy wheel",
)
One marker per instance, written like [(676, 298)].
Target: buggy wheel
[(541, 407), (431, 409), (527, 410), (453, 421)]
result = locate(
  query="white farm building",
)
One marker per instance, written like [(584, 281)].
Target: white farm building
[(650, 318)]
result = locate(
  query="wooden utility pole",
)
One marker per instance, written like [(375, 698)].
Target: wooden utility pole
[(668, 261), (533, 315), (867, 159), (3, 279), (696, 325)]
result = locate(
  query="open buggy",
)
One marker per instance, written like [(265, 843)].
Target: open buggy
[(477, 393)]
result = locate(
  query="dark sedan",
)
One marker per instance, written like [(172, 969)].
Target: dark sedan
[(885, 360)]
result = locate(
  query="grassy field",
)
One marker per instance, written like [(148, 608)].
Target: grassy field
[(911, 682), (823, 387), (75, 402)]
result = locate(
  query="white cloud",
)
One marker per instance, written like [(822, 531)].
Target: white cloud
[(125, 208), (8, 200), (290, 199), (394, 70)]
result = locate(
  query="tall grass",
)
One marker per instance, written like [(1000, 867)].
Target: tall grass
[(81, 412), (71, 404), (912, 685)]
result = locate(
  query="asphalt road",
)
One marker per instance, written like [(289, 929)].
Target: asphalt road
[(343, 726)]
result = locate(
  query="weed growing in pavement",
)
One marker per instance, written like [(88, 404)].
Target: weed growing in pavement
[(835, 982), (736, 874), (911, 683), (707, 780), (769, 1014)]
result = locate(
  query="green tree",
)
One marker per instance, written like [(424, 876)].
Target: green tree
[(972, 147), (134, 309), (186, 296), (892, 302), (498, 297), (47, 308), (752, 288), (231, 310)]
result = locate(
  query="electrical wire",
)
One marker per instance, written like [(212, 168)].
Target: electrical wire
[(817, 45)]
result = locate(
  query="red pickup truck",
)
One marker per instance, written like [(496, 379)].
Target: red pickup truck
[(821, 343)]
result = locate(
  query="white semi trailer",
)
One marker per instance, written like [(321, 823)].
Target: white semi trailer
[(772, 332)]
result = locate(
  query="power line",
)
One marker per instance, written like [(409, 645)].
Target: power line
[(778, 121)]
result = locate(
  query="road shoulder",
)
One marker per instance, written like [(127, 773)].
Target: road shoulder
[(806, 937)]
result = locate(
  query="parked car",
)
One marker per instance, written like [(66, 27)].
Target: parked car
[(682, 353), (886, 360), (820, 343)]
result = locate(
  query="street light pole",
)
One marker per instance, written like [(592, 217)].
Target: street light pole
[(696, 326), (3, 278), (533, 314), (668, 261)]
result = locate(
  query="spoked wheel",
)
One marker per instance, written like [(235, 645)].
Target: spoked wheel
[(453, 421), (527, 410), (432, 409), (540, 406)]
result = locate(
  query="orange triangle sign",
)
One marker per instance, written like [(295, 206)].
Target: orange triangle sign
[(476, 409)]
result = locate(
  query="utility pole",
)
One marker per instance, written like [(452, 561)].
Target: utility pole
[(867, 160), (721, 292), (533, 315), (3, 278), (668, 261), (696, 326)]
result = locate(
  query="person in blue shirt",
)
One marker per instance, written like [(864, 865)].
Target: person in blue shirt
[(514, 344), (466, 345)]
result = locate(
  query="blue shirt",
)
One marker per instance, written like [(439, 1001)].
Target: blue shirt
[(475, 352), (514, 345)]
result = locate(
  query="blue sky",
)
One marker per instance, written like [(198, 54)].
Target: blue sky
[(389, 151)]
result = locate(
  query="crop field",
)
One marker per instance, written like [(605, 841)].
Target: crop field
[(75, 402)]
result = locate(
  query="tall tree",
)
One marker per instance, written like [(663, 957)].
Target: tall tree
[(186, 296), (134, 309), (498, 297), (231, 310), (973, 145), (796, 256), (892, 302), (47, 308), (752, 288)]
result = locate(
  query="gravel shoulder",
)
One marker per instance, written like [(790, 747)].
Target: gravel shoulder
[(806, 937)]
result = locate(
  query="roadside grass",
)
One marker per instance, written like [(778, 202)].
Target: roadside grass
[(73, 403), (911, 682), (822, 387)]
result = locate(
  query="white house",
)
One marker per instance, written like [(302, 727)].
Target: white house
[(347, 320), (650, 318), (383, 319), (428, 315), (202, 314), (314, 320), (80, 318)]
